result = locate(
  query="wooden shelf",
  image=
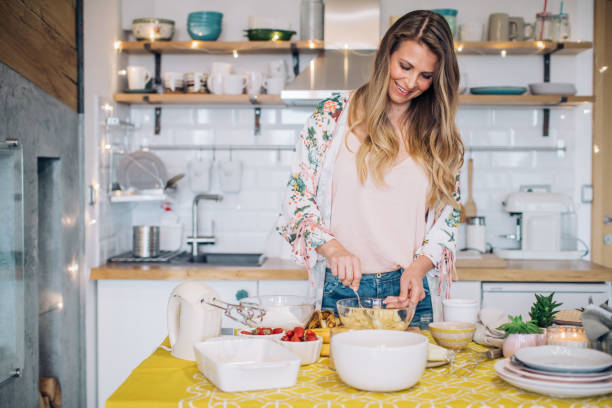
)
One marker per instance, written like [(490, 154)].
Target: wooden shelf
[(215, 47), (462, 47), (275, 100), (198, 99), (521, 47), (525, 100)]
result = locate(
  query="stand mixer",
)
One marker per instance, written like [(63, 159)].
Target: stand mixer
[(545, 226)]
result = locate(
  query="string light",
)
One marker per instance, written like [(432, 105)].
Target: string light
[(235, 52), (603, 69), (503, 53)]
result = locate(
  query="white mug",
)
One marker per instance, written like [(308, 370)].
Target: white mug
[(215, 83), (233, 84), (274, 85), (278, 69), (173, 81), (254, 82), (137, 77), (223, 68)]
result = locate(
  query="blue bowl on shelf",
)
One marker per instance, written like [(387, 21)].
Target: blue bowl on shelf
[(204, 25)]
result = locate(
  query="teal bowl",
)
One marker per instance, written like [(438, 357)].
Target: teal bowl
[(204, 32)]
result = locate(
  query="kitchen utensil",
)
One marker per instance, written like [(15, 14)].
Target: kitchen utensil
[(469, 208), (145, 241), (204, 25), (215, 83), (239, 364), (594, 376), (278, 69), (552, 88), (498, 90), (308, 351), (499, 27), (172, 182), (373, 314), (247, 314), (311, 19), (199, 174), (452, 335), (552, 388), (475, 234), (379, 360), (460, 310), (564, 359), (268, 34), (254, 82), (141, 170), (153, 29), (138, 77), (284, 311), (230, 175), (190, 318), (450, 15)]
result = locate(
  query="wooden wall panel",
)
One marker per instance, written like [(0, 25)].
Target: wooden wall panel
[(602, 135), (38, 40)]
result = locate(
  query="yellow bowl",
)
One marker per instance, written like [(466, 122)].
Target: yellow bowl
[(452, 335)]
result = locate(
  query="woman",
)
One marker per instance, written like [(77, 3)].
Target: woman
[(372, 202)]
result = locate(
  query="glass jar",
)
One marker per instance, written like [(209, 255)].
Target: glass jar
[(561, 27), (543, 26)]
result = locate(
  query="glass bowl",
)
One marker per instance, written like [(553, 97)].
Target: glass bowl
[(284, 311), (373, 315)]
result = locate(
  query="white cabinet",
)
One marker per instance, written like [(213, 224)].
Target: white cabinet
[(278, 287), (517, 298)]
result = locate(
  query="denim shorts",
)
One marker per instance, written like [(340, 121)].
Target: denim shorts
[(376, 285)]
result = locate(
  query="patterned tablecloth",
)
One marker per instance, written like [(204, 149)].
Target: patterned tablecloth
[(162, 381)]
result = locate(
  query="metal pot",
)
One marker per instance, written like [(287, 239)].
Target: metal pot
[(145, 241)]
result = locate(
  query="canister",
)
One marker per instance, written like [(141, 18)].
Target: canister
[(145, 241), (476, 238)]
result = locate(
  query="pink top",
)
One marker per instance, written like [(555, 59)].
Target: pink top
[(383, 226)]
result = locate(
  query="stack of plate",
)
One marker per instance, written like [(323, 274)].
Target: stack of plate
[(558, 371)]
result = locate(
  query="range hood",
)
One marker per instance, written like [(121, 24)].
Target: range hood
[(352, 31)]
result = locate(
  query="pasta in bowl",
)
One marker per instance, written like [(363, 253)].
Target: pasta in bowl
[(372, 313)]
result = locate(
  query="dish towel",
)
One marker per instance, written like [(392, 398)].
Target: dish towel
[(489, 319), (597, 322)]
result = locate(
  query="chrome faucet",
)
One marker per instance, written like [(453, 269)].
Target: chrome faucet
[(195, 240)]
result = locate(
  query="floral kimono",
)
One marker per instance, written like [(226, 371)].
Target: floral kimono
[(306, 212)]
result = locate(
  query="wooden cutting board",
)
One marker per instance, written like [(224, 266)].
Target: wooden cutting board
[(485, 261)]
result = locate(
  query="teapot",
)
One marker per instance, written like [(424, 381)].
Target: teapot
[(191, 319)]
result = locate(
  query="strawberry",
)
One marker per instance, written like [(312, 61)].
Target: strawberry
[(299, 331), (277, 331)]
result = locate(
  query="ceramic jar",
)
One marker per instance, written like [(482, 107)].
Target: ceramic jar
[(519, 340)]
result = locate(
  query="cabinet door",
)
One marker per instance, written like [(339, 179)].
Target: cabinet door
[(11, 261)]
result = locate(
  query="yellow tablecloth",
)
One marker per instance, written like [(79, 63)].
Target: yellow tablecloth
[(163, 381)]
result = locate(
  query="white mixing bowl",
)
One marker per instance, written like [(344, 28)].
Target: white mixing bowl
[(379, 360)]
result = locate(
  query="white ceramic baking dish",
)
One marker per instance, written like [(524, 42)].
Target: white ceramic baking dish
[(239, 364)]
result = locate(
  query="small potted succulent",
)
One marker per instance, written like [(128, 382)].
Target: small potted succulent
[(543, 312), (519, 334)]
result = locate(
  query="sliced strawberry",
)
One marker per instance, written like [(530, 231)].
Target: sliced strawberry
[(277, 331)]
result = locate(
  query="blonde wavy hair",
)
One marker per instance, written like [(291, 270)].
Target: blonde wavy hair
[(427, 126)]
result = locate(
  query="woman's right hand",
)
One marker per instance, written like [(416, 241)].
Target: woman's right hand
[(343, 264)]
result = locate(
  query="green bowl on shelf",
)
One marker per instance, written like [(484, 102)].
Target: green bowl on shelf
[(268, 34)]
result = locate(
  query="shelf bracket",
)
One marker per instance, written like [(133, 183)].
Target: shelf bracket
[(257, 128), (157, 82), (295, 54), (157, 120), (546, 111)]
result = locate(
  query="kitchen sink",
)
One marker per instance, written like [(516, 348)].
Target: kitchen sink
[(216, 258)]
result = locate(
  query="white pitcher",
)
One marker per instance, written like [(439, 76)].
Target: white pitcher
[(190, 319)]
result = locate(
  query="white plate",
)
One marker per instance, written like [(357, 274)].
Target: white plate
[(552, 389), (526, 368), (141, 170), (565, 378), (552, 88), (565, 359)]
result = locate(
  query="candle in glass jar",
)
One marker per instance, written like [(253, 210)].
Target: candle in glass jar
[(568, 336)]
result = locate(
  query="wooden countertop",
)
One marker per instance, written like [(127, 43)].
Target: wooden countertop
[(279, 269)]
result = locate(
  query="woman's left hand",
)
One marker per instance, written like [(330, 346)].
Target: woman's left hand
[(411, 284), (411, 290)]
